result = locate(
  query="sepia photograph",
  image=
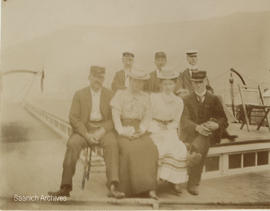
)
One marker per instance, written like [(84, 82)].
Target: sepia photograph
[(135, 104)]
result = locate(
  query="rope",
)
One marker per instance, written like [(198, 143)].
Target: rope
[(23, 89), (29, 88)]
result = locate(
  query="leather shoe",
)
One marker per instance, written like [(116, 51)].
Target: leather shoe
[(177, 189), (64, 191), (114, 193), (194, 190), (153, 194)]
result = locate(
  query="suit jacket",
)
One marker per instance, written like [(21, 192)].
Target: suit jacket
[(153, 84), (79, 115), (118, 81), (185, 81), (196, 113)]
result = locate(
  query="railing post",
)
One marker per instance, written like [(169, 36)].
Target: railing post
[(225, 163)]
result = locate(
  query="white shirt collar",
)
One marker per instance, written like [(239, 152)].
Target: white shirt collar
[(201, 94), (95, 93)]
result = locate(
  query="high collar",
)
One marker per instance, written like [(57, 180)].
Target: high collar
[(192, 67), (168, 98)]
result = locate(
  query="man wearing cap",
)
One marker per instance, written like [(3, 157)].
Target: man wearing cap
[(153, 85), (160, 62), (185, 77), (202, 123), (91, 121), (120, 80)]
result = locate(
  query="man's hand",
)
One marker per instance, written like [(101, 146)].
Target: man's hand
[(91, 139), (203, 130), (211, 125), (99, 133)]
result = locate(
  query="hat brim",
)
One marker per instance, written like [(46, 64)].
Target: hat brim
[(137, 77), (197, 80), (192, 54), (98, 75), (171, 78)]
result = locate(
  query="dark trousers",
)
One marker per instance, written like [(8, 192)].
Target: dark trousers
[(201, 145), (74, 146)]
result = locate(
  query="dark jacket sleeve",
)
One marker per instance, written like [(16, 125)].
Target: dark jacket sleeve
[(108, 123), (74, 116), (180, 81), (178, 85), (221, 119), (115, 82), (220, 114), (208, 86), (188, 127)]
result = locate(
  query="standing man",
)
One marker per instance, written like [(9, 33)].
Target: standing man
[(91, 121), (121, 80), (202, 123), (153, 85), (154, 81), (185, 77)]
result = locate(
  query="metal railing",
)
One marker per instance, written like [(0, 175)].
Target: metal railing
[(61, 127)]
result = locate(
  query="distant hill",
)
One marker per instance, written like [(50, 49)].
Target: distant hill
[(240, 40)]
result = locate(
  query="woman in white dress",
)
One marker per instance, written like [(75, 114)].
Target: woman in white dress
[(166, 110)]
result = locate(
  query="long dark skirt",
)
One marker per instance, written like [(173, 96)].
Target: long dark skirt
[(138, 163)]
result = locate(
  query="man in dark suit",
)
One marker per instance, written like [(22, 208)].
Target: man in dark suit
[(91, 120), (202, 123), (120, 80), (186, 87), (153, 84)]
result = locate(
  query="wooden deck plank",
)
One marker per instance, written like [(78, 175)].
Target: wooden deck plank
[(253, 134)]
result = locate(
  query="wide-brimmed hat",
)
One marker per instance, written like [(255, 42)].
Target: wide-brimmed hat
[(97, 71), (139, 75), (198, 75), (168, 75)]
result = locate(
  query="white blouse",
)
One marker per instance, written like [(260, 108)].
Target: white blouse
[(167, 108)]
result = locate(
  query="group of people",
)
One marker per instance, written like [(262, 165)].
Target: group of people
[(152, 127)]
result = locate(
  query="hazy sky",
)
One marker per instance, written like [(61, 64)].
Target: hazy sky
[(25, 19)]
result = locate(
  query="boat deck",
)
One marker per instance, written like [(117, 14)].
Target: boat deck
[(32, 165), (244, 135)]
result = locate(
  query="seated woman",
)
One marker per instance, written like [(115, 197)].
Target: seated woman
[(166, 110), (138, 154)]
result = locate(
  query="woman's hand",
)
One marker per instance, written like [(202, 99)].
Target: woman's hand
[(128, 131), (138, 133), (91, 139)]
